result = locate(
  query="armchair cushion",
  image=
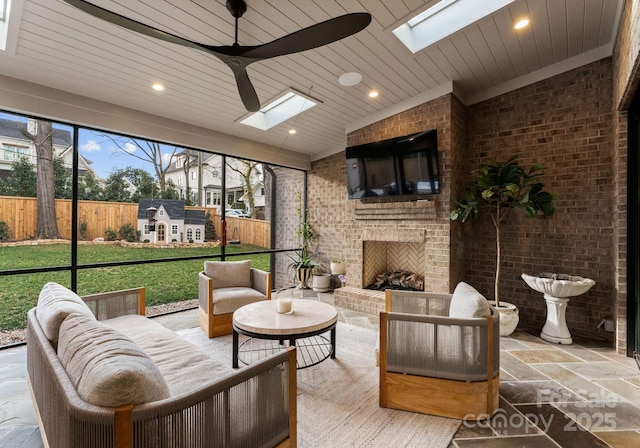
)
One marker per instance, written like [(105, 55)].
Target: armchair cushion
[(227, 300), (467, 302), (55, 303), (106, 367), (227, 274)]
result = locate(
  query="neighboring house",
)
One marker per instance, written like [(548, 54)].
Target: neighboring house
[(171, 222), (187, 167), (14, 144)]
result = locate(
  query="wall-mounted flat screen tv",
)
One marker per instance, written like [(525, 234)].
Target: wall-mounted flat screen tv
[(401, 166)]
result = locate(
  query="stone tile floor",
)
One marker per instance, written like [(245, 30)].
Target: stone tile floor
[(581, 395)]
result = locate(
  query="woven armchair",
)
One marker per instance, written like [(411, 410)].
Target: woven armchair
[(225, 286), (433, 363)]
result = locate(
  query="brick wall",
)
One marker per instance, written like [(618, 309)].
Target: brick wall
[(626, 78), (575, 125), (343, 236), (564, 123)]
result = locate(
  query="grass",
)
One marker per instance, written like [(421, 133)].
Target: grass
[(164, 282)]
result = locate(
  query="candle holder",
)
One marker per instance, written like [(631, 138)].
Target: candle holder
[(284, 302)]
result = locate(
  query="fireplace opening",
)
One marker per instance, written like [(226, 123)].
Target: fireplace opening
[(398, 279)]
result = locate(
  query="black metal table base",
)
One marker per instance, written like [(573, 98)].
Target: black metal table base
[(311, 348)]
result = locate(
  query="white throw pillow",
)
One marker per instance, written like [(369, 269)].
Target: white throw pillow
[(55, 303), (467, 302), (226, 274), (106, 367)]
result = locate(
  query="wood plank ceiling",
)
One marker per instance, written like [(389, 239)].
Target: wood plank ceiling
[(61, 47)]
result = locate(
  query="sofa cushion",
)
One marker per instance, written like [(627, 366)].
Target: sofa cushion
[(229, 273), (227, 300), (183, 365), (106, 367), (55, 303), (467, 302)]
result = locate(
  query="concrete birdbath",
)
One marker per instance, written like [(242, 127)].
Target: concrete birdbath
[(556, 289)]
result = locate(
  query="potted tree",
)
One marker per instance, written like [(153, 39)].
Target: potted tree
[(500, 188), (303, 260)]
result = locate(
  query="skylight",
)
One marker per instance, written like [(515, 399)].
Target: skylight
[(443, 19), (4, 23), (285, 106)]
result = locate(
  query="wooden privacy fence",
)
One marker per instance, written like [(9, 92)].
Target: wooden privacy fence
[(21, 213)]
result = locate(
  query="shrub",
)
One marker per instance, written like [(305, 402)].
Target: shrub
[(5, 231), (83, 230), (128, 232), (209, 229), (110, 234)]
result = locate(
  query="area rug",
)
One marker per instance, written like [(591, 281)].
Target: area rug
[(338, 399)]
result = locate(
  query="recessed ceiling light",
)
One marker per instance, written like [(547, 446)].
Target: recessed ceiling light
[(521, 24), (350, 79), (373, 94), (292, 131), (158, 87)]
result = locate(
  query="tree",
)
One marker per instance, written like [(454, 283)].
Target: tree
[(46, 224), (246, 170), (21, 180), (189, 161), (143, 182), (62, 179), (117, 187), (209, 228), (89, 187), (170, 191), (150, 152), (499, 188)]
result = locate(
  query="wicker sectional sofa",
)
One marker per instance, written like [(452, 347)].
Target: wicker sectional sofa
[(103, 375)]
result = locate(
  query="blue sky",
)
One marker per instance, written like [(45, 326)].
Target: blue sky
[(104, 153)]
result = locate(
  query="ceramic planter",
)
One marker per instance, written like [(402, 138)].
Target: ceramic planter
[(509, 317), (302, 277), (321, 282), (338, 267)]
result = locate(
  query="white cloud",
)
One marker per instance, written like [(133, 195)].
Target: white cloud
[(166, 158), (90, 146), (129, 147)]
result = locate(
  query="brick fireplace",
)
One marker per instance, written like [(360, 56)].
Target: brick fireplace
[(375, 235)]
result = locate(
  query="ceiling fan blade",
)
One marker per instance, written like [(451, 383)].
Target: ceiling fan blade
[(314, 36), (133, 25), (245, 89)]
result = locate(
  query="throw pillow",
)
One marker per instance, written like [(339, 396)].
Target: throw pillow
[(106, 367), (467, 302), (55, 303), (226, 274)]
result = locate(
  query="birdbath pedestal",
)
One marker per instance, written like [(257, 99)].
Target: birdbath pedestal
[(556, 288)]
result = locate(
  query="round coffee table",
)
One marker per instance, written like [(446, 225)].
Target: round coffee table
[(303, 328)]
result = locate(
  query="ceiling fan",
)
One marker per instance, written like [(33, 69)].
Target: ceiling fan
[(236, 56)]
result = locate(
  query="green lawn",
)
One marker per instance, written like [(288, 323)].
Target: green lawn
[(164, 282)]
